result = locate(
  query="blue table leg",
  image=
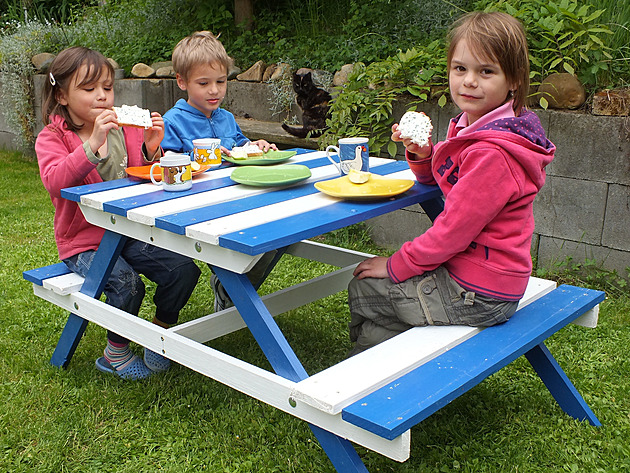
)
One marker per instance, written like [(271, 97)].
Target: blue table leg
[(104, 260), (283, 360), (559, 384)]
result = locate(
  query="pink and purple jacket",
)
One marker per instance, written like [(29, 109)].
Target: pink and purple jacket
[(489, 176), (64, 163)]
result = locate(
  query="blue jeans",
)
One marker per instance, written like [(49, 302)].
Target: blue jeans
[(175, 275)]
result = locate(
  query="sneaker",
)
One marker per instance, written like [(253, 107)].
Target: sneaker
[(221, 298)]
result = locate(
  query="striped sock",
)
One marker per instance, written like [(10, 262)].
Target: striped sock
[(119, 355)]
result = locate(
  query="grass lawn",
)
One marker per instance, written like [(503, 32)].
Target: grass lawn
[(79, 420)]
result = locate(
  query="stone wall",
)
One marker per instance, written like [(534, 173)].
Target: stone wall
[(583, 211)]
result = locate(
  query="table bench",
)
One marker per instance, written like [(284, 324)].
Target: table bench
[(388, 389)]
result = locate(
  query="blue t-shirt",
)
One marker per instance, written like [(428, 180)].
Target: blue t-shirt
[(184, 123)]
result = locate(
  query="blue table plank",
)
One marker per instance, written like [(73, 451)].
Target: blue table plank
[(177, 222), (283, 232)]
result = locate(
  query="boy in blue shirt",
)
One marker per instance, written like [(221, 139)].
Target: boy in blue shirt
[(201, 65)]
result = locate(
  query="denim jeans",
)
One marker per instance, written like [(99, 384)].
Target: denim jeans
[(381, 309), (175, 275)]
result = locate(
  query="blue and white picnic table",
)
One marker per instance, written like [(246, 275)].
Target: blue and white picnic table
[(372, 399)]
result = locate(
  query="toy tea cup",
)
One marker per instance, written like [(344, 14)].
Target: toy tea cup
[(176, 172), (207, 151), (353, 154)]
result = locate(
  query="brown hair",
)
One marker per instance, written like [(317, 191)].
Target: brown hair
[(501, 38), (201, 47), (60, 75)]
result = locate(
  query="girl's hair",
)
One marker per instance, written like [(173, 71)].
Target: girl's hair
[(61, 74), (201, 47), (501, 38)]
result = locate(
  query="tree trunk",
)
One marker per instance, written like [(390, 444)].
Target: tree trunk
[(244, 13)]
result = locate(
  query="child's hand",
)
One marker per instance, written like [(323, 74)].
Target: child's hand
[(264, 145), (421, 152), (372, 268), (153, 136), (104, 122)]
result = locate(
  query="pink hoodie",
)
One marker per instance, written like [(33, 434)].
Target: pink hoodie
[(63, 163), (490, 176)]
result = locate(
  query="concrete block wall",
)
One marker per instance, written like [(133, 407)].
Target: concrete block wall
[(583, 211)]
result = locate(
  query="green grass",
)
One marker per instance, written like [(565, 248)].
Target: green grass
[(79, 420)]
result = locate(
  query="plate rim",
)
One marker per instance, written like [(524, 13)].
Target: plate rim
[(260, 161)]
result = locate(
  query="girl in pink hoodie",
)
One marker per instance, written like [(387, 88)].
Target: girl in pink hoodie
[(472, 266)]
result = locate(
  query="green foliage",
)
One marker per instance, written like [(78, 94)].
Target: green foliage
[(364, 105), (563, 36)]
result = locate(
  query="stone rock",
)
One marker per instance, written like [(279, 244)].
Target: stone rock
[(165, 71), (612, 102), (234, 72), (113, 62), (269, 70), (282, 71), (341, 76), (562, 90), (254, 73), (42, 61), (119, 74), (142, 71), (159, 65)]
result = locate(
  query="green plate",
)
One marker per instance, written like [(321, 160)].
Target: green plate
[(270, 157), (264, 176)]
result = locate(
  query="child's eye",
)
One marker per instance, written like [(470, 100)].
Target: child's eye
[(487, 72), (460, 68)]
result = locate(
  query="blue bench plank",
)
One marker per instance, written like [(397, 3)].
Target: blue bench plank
[(397, 407), (38, 275)]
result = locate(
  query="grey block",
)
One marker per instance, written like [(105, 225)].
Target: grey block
[(617, 221), (571, 209), (590, 147), (552, 251), (392, 230)]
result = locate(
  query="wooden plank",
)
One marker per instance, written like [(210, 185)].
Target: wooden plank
[(237, 374), (64, 284), (398, 406), (352, 379), (37, 275)]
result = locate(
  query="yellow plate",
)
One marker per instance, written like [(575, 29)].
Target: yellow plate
[(377, 187)]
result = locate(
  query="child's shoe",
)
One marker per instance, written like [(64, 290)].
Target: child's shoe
[(156, 362), (134, 370)]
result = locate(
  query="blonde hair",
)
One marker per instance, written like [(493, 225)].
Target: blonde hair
[(201, 47), (60, 75), (501, 38)]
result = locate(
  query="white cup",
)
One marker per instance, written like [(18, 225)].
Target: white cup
[(176, 172), (353, 154), (207, 151)]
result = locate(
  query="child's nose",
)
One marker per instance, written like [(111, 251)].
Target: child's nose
[(470, 80)]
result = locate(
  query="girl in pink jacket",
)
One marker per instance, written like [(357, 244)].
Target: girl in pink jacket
[(472, 266), (82, 143)]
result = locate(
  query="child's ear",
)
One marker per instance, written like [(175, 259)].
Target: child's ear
[(181, 83), (60, 97)]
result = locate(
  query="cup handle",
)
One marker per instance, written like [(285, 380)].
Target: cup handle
[(337, 165), (151, 174)]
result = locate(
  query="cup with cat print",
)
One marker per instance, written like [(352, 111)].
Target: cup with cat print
[(207, 151), (176, 172), (353, 153)]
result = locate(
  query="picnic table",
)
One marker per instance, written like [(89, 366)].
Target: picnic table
[(372, 399)]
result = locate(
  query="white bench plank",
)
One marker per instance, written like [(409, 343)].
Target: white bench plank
[(344, 383), (65, 284)]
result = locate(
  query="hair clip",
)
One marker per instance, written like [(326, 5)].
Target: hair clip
[(53, 82)]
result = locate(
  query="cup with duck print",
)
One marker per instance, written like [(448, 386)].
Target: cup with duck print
[(353, 153)]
